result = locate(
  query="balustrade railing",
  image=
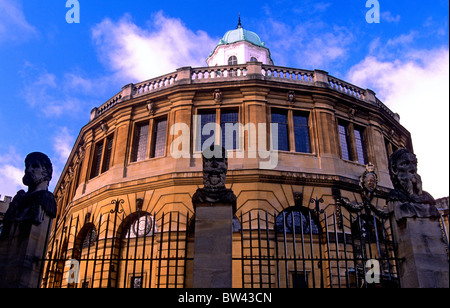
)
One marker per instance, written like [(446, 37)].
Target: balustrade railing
[(250, 70), (287, 74), (205, 74)]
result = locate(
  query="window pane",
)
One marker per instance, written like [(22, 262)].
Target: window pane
[(230, 131), (232, 60), (343, 137), (360, 146), (280, 117), (140, 142), (206, 117), (159, 137), (301, 133), (107, 159), (97, 159)]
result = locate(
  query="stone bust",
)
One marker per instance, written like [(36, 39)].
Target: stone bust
[(215, 167), (407, 199), (31, 206)]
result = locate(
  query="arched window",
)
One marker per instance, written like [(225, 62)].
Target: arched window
[(90, 238), (253, 59), (87, 237), (298, 220), (232, 60), (140, 225)]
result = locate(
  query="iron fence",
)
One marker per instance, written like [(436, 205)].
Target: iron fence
[(141, 250), (302, 248), (296, 248)]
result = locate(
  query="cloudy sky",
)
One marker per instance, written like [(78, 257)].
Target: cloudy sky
[(52, 73)]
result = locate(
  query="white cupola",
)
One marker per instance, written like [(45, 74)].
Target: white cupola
[(239, 46)]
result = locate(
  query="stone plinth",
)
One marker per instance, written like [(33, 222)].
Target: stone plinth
[(21, 254), (213, 245), (421, 249)]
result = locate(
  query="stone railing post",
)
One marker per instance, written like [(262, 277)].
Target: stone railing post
[(127, 92), (184, 75), (94, 113), (254, 70), (214, 209), (321, 78), (369, 96)]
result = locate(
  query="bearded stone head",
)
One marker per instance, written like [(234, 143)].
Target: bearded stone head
[(403, 172), (215, 166), (38, 171)]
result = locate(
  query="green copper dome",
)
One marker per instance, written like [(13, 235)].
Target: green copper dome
[(240, 34)]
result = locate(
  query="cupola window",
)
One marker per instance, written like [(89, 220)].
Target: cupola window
[(232, 60)]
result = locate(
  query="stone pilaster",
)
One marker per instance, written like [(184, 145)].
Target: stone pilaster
[(22, 253), (213, 245), (422, 254)]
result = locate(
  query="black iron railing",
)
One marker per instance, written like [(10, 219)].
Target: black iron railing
[(302, 248), (140, 250)]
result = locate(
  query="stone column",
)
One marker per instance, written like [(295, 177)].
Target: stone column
[(213, 245), (416, 229), (22, 253), (214, 206), (422, 254)]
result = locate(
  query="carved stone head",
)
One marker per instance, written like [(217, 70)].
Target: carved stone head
[(215, 167), (407, 199), (368, 182), (403, 172), (38, 171)]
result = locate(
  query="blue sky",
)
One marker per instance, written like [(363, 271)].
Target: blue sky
[(53, 73)]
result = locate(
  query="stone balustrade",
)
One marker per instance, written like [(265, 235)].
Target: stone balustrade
[(248, 71)]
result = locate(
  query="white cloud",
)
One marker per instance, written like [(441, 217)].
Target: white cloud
[(388, 17), (55, 96), (139, 54), (13, 24), (313, 44), (63, 143), (11, 171), (416, 87)]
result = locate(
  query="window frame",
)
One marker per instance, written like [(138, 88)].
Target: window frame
[(363, 145), (353, 145), (232, 58), (346, 135), (288, 127), (98, 163), (218, 111), (134, 156), (154, 137), (306, 127)]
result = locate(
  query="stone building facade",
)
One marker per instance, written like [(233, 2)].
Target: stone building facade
[(3, 208), (124, 198)]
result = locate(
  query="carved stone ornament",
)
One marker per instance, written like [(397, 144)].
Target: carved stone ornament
[(103, 127), (291, 97), (31, 206), (218, 96), (151, 107), (407, 199), (368, 183), (215, 167)]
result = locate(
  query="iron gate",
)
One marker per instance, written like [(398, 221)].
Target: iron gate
[(303, 248), (140, 250)]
